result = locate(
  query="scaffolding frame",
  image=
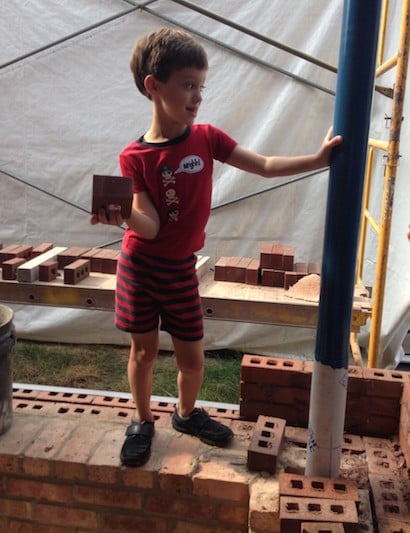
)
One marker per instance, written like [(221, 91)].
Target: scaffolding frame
[(392, 155)]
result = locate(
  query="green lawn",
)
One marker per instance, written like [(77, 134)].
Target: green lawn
[(103, 367)]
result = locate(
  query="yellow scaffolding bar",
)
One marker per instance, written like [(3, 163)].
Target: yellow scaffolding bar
[(391, 147)]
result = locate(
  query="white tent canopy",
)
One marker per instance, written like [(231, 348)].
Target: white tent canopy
[(68, 106)]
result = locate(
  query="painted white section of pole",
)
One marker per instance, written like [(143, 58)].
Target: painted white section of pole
[(326, 420)]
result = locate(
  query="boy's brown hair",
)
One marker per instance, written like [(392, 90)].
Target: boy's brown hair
[(163, 51)]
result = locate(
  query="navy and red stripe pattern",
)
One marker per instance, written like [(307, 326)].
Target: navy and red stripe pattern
[(152, 291)]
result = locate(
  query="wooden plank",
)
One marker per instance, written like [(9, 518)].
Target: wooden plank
[(29, 271)]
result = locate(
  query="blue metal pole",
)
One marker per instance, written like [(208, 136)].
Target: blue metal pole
[(354, 90)]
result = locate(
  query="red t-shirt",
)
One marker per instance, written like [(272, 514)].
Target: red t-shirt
[(177, 175)]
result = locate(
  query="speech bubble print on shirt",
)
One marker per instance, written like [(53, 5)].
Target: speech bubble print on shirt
[(191, 164)]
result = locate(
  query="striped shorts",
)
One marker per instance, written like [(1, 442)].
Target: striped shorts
[(154, 292)]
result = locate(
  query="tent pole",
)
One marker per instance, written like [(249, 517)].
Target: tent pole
[(355, 85)]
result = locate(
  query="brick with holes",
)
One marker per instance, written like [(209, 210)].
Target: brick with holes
[(76, 271), (48, 271), (265, 445), (295, 511), (317, 487)]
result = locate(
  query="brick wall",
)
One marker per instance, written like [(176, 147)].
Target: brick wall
[(60, 471)]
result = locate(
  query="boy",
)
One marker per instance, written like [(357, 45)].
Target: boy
[(171, 168)]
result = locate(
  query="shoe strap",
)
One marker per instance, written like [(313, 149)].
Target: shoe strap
[(140, 428)]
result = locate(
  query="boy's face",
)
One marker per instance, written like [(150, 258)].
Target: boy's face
[(179, 98)]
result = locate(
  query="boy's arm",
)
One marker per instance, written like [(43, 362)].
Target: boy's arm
[(144, 218), (275, 166)]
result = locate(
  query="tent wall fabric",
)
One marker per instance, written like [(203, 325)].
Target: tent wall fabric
[(69, 105)]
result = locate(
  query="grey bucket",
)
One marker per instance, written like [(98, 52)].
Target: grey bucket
[(7, 342)]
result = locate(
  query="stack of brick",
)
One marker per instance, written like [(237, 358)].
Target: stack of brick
[(281, 388), (11, 257), (76, 262), (308, 501), (389, 485), (274, 268)]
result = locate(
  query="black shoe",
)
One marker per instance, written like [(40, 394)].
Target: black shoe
[(136, 449), (202, 426)]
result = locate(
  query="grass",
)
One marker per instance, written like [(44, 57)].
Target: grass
[(103, 367)]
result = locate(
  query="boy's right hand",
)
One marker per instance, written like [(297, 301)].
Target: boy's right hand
[(110, 215)]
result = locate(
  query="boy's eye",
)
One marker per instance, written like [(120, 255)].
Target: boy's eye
[(192, 86)]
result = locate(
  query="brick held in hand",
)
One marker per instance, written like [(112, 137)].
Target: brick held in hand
[(116, 190)]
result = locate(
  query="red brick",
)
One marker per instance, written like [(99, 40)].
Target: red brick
[(218, 479), (38, 457), (231, 269), (324, 527), (38, 490), (169, 505), (108, 497), (295, 511), (42, 248), (70, 255), (275, 370), (9, 267), (384, 383), (314, 268), (16, 508), (252, 275), (265, 256), (22, 526), (288, 257), (273, 278), (264, 504), (7, 252), (76, 271), (131, 522), (178, 464), (48, 271), (290, 279), (393, 526), (317, 487), (390, 499), (265, 444), (220, 269), (294, 415), (232, 515), (62, 514), (301, 268), (266, 392), (381, 458), (72, 457)]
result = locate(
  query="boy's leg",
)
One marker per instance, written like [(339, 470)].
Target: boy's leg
[(136, 449), (143, 353), (190, 361), (187, 418)]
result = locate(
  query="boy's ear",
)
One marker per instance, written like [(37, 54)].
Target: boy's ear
[(150, 84)]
